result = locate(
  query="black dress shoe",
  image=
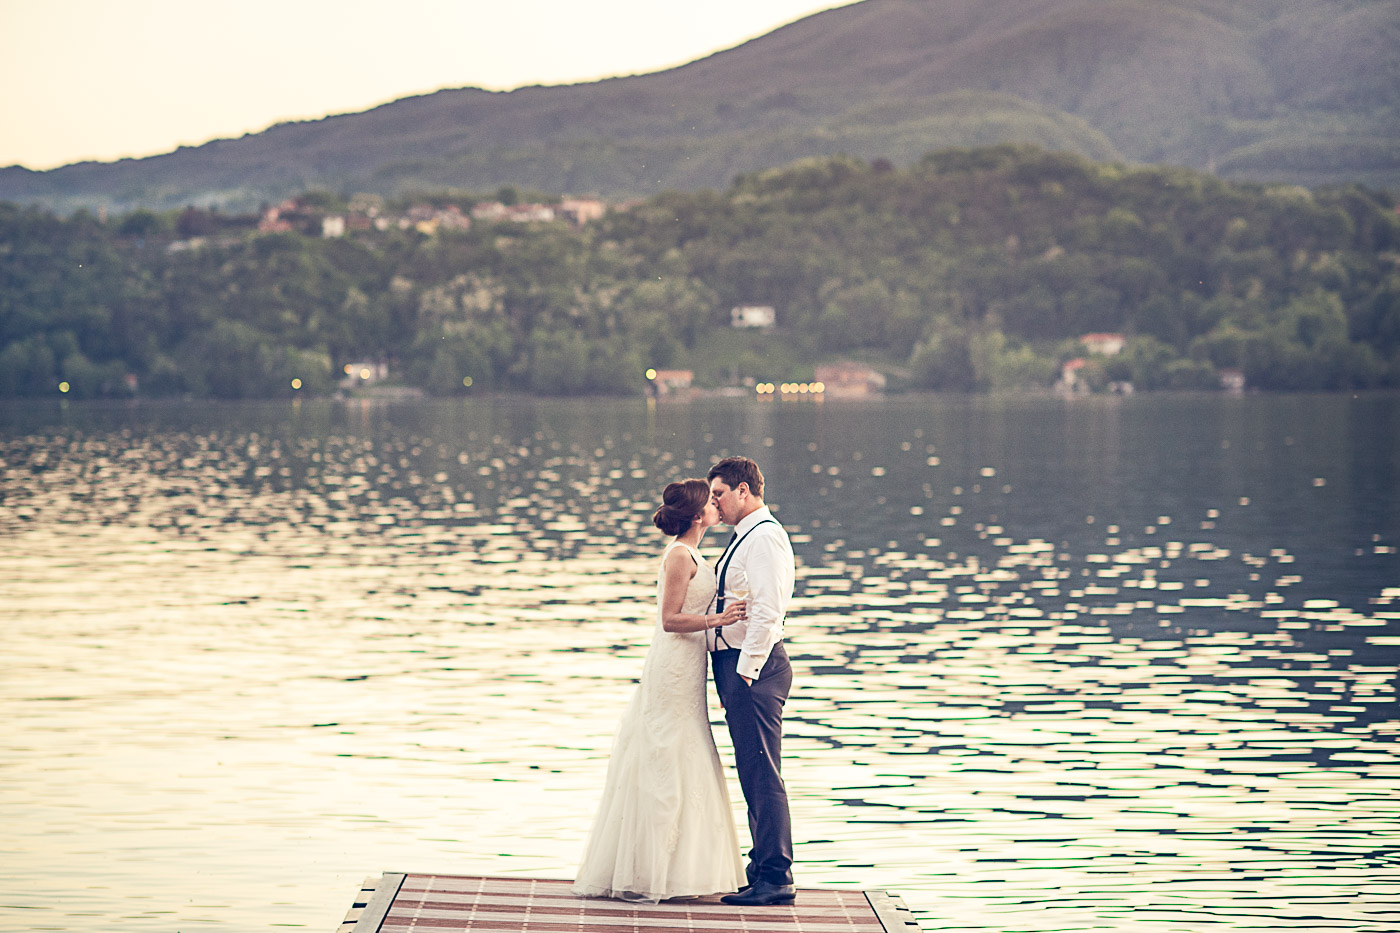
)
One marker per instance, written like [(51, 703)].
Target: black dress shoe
[(761, 894)]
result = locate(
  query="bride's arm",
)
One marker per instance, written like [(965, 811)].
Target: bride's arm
[(676, 572)]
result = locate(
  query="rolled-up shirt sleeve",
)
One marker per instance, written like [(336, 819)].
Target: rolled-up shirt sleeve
[(769, 569)]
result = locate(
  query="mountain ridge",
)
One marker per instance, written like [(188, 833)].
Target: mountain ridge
[(1306, 94)]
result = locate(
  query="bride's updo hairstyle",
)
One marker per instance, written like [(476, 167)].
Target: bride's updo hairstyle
[(681, 504)]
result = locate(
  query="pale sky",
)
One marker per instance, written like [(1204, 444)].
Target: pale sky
[(106, 79)]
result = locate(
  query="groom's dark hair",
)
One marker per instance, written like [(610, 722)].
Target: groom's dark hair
[(736, 470)]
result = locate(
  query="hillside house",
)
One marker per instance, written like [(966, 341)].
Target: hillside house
[(489, 210), (850, 379), (1103, 344), (581, 211), (530, 213), (1070, 381), (761, 317), (672, 381), (516, 213), (272, 220), (428, 220)]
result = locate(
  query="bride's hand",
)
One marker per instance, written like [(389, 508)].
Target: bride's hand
[(734, 611)]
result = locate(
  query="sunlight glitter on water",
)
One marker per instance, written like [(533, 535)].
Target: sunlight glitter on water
[(249, 665)]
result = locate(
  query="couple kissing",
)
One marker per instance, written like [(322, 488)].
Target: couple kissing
[(664, 828)]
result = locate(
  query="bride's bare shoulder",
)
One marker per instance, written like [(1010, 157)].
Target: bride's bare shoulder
[(678, 557)]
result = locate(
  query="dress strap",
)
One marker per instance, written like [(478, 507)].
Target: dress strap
[(694, 554)]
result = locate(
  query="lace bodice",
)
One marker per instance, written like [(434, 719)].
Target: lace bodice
[(675, 664)]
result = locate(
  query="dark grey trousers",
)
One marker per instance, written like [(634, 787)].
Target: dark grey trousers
[(755, 718)]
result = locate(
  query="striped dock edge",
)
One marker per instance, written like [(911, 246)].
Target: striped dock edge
[(386, 887), (410, 903)]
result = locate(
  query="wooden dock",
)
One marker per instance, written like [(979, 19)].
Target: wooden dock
[(400, 903)]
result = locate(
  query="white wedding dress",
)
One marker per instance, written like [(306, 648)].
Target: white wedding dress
[(664, 827)]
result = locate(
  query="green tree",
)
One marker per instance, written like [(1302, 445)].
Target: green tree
[(28, 368), (944, 362)]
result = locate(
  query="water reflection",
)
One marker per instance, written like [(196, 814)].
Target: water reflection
[(1118, 665)]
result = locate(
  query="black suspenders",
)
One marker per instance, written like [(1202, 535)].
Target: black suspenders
[(724, 560)]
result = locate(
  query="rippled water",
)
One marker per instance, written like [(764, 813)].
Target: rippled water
[(1110, 664)]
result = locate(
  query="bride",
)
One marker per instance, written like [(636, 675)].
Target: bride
[(664, 827)]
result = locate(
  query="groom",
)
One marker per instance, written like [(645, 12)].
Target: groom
[(752, 673)]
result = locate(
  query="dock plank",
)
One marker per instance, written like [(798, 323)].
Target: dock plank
[(401, 903), (371, 919), (357, 908)]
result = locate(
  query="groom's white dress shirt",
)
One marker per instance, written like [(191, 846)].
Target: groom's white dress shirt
[(763, 563)]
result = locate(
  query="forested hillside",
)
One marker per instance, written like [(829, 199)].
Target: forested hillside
[(1306, 92), (971, 270)]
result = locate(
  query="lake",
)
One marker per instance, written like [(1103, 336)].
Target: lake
[(1101, 664)]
